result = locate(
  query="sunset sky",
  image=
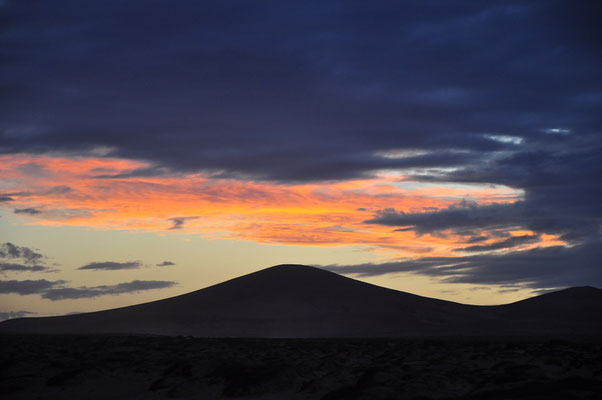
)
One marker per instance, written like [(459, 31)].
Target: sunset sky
[(451, 149)]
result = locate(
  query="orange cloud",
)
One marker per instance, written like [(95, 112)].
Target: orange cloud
[(69, 191)]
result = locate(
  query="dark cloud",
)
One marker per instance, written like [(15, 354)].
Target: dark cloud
[(28, 255), (178, 222), (28, 287), (166, 264), (56, 290), (554, 204), (111, 265), (458, 217), (318, 89), (538, 268), (4, 198), (11, 267), (499, 92), (29, 211), (14, 314), (96, 291), (9, 250), (561, 189), (502, 244)]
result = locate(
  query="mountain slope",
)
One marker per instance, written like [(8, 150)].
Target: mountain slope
[(575, 309), (290, 301)]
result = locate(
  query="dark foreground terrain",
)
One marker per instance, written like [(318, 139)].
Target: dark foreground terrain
[(139, 367)]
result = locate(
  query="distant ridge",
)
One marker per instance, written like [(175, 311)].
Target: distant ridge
[(301, 301)]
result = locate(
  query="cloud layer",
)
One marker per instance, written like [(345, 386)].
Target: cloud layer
[(309, 123), (304, 92)]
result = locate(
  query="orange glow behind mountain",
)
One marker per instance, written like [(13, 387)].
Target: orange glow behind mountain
[(103, 193)]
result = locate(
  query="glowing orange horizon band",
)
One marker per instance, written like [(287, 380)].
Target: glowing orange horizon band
[(67, 191)]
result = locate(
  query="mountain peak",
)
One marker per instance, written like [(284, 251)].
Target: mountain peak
[(296, 272), (292, 267), (289, 267)]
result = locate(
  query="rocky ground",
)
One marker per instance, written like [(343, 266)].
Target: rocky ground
[(138, 367)]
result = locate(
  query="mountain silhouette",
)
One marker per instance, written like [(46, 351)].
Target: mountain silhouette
[(302, 301)]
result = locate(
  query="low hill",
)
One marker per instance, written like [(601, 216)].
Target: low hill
[(302, 301)]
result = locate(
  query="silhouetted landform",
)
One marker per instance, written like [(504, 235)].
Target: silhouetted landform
[(153, 367), (294, 301)]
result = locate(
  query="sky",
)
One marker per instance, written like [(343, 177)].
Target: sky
[(450, 149)]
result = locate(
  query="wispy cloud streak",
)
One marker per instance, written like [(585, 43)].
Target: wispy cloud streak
[(111, 265), (57, 290)]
